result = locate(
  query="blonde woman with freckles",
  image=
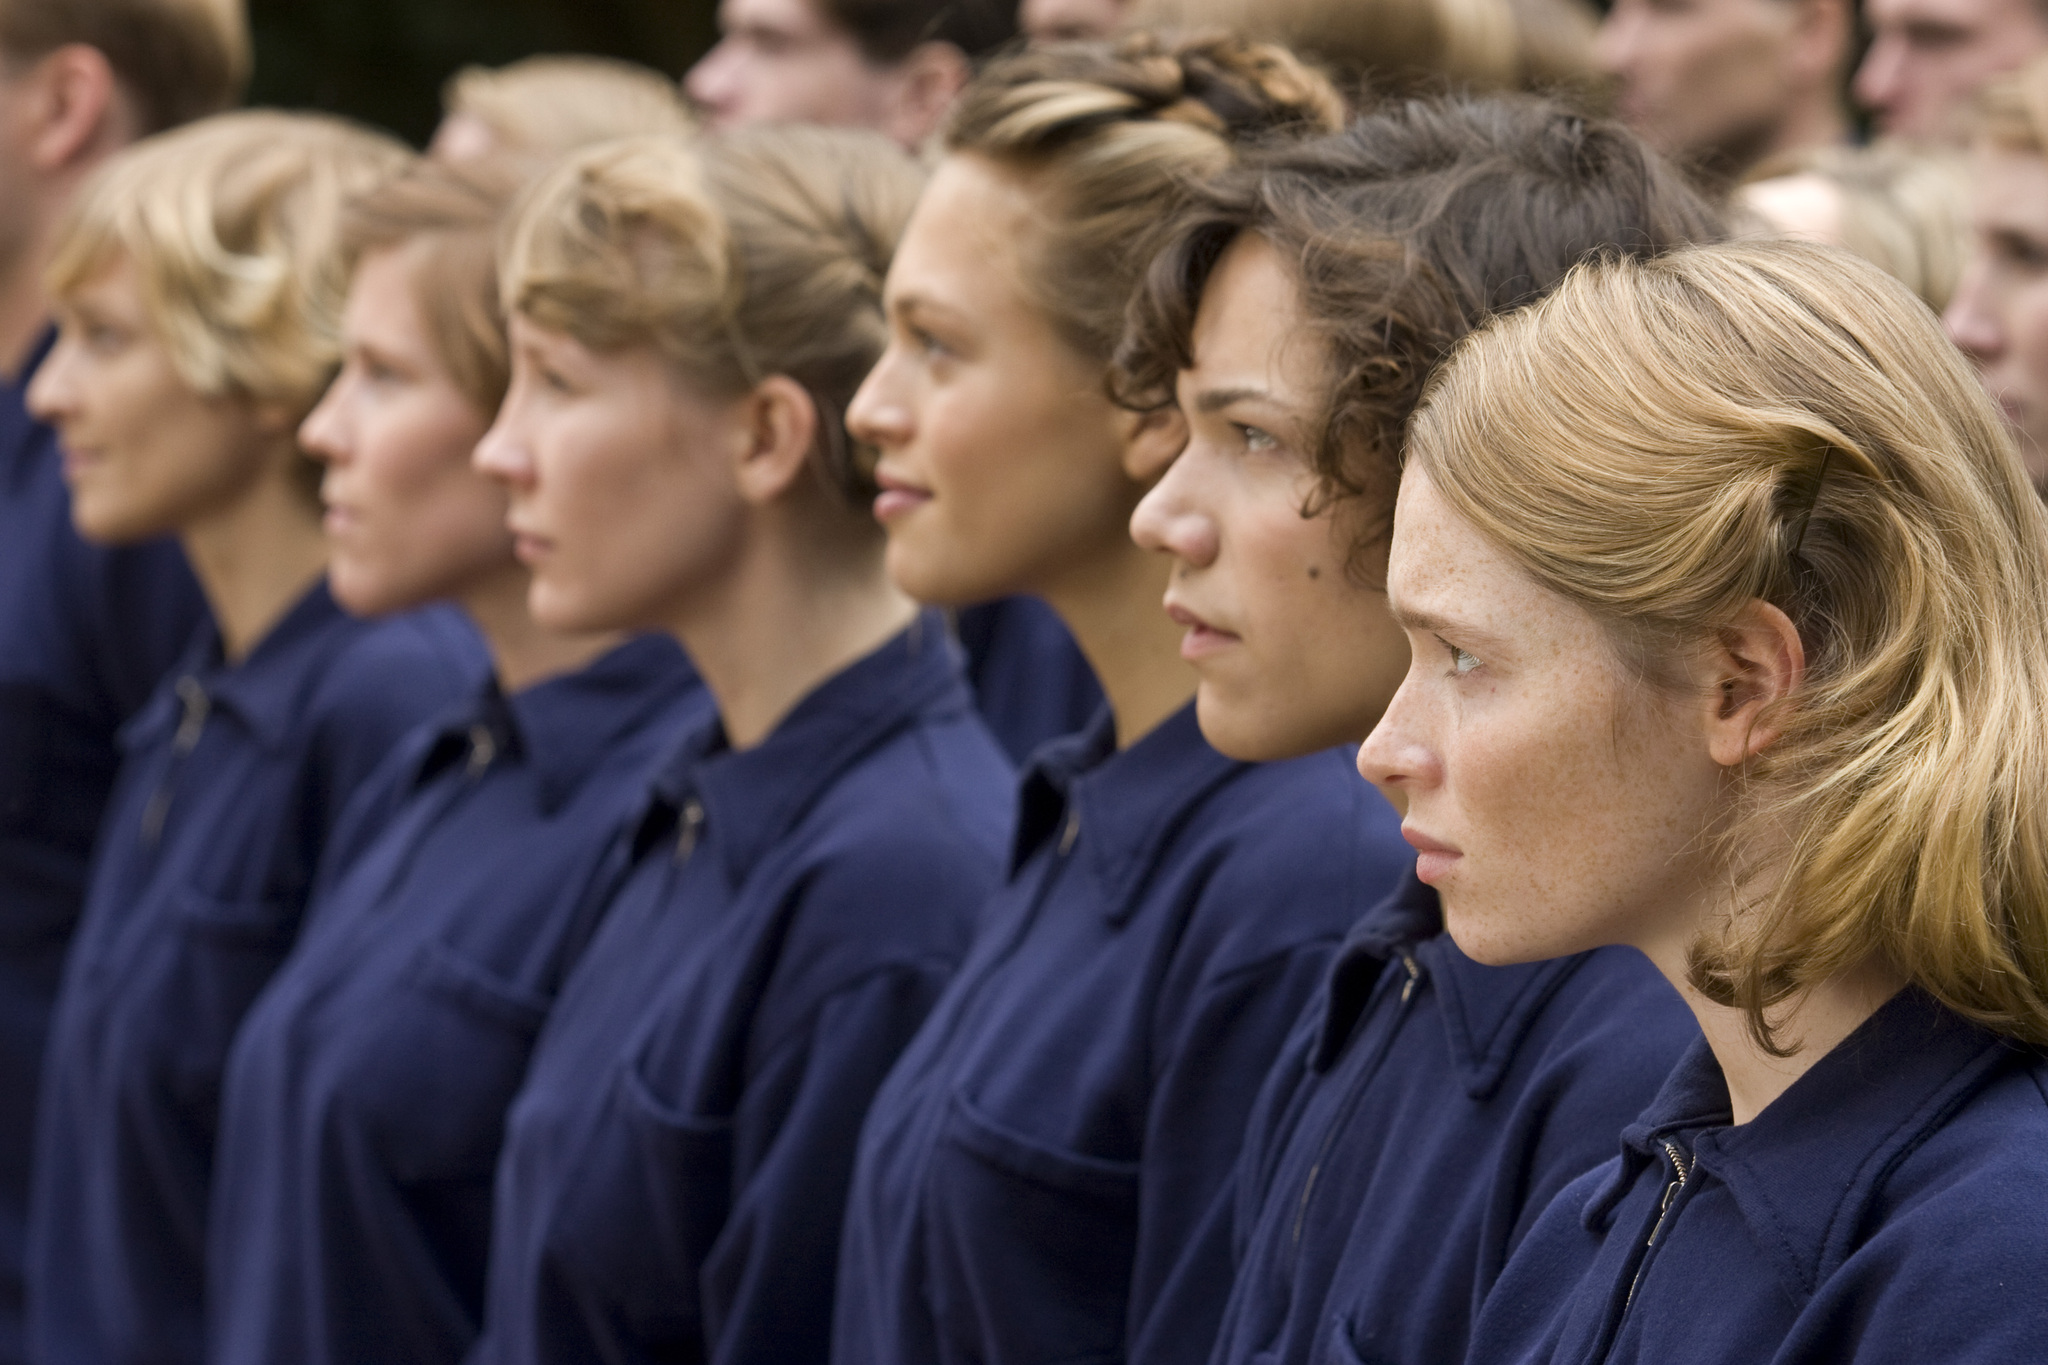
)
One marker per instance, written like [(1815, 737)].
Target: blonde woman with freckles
[(1747, 677), (199, 289), (1047, 1174)]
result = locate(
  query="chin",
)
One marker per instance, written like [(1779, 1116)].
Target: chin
[(108, 526), (1253, 733), (933, 581), (1486, 939)]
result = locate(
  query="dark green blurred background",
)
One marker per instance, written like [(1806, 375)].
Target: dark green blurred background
[(384, 60)]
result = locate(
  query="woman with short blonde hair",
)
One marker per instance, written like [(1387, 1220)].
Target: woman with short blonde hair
[(198, 285), (1747, 676)]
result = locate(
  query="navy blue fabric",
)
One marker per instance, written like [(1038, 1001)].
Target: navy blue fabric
[(1426, 1110), (1890, 1207), (674, 1169), (1047, 1175), (230, 779), (85, 633), (365, 1098), (1030, 679)]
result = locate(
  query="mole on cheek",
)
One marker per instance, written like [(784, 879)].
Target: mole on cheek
[(1315, 571)]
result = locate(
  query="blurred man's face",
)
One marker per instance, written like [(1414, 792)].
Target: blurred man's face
[(1706, 80), (1928, 59), (784, 61), (1056, 20)]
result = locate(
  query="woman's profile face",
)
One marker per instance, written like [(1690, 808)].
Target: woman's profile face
[(1293, 654), (1556, 804), (2000, 310), (623, 499), (1001, 454), (409, 520), (144, 454)]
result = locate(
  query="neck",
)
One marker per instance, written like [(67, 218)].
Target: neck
[(255, 558), (24, 311), (1112, 606), (1816, 121), (523, 652), (1812, 1024), (794, 609)]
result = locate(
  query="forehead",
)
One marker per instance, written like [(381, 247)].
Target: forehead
[(962, 239), (1250, 325), (783, 16), (2011, 190), (1967, 13), (1442, 568)]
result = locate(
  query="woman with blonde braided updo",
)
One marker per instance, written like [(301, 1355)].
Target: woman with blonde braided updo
[(1046, 1175)]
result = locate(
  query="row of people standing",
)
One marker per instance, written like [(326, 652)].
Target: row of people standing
[(606, 1106)]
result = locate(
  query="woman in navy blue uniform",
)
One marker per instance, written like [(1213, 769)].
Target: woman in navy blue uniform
[(199, 291), (1427, 1106), (1747, 677), (1047, 1174), (366, 1094), (688, 322)]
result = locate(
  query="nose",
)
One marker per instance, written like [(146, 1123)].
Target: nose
[(1878, 80), (502, 454), (52, 397), (878, 415), (1614, 41), (1169, 519), (1972, 320), (713, 83), (324, 433), (1396, 757)]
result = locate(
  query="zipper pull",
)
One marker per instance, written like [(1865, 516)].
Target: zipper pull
[(691, 821), (1071, 833), (1682, 1172), (1414, 970), (483, 750), (191, 724)]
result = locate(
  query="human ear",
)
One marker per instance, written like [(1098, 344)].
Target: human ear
[(1757, 662), (779, 429), (1152, 442), (75, 94), (927, 80)]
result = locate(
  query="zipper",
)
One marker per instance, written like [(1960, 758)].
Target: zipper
[(1413, 969), (191, 724), (1682, 1172), (483, 751), (688, 827)]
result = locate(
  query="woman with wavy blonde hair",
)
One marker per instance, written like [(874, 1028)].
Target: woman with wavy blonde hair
[(199, 287), (1747, 676), (1047, 1173), (688, 321)]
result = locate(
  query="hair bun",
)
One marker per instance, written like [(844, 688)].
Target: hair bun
[(1254, 88)]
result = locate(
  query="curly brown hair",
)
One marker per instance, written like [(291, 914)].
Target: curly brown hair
[(1404, 232)]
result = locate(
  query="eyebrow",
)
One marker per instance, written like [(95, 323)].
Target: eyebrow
[(1215, 400), (1409, 618)]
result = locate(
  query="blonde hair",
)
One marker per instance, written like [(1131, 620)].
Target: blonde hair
[(1782, 421), (447, 217), (177, 60), (739, 256), (1110, 137), (545, 107), (232, 226), (1902, 209), (1405, 46)]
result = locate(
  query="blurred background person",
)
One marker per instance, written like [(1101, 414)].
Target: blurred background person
[(1065, 20), (891, 65), (1928, 60), (1719, 85), (1902, 209), (544, 107), (378, 1064), (85, 631), (199, 293), (2000, 311)]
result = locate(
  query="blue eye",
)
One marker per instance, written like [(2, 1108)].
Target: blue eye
[(1255, 438), (1461, 661)]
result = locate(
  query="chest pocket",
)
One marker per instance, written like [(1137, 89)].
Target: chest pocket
[(218, 959), (434, 1069), (648, 1201), (1032, 1246)]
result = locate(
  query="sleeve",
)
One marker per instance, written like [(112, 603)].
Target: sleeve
[(768, 1281), (1215, 1068)]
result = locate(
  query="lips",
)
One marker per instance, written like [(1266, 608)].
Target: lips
[(529, 546), (898, 497), (1434, 859), (1201, 640)]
